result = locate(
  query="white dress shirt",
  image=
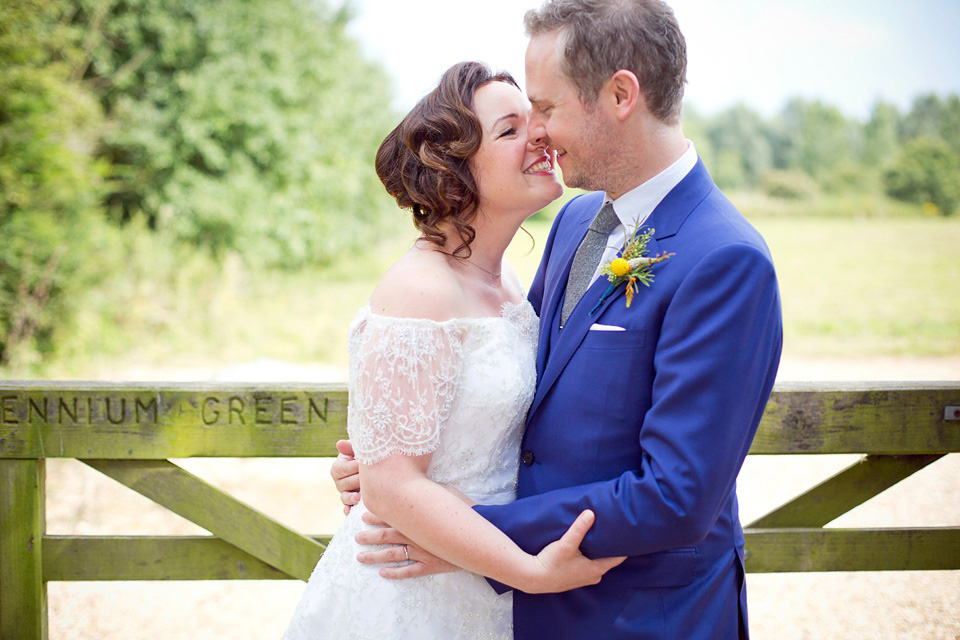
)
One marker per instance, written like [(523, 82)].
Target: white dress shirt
[(635, 206)]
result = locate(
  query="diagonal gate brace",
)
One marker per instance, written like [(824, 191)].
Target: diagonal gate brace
[(850, 488), (218, 512)]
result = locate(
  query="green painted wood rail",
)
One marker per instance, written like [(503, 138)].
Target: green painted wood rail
[(128, 431)]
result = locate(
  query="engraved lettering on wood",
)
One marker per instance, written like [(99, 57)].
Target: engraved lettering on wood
[(260, 404), (64, 408), (74, 409), (316, 410), (115, 409), (151, 406), (288, 407), (41, 412), (236, 406), (120, 414), (210, 414), (7, 408)]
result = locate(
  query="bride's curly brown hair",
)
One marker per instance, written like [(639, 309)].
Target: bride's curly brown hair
[(423, 162)]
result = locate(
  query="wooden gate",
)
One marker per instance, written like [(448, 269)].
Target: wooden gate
[(128, 432)]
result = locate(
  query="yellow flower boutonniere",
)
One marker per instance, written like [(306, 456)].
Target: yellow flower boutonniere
[(632, 266)]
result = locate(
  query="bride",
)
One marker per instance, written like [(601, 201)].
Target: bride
[(442, 371)]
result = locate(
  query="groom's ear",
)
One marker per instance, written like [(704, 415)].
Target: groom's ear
[(623, 93)]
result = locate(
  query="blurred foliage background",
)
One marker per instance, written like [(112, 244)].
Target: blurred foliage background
[(146, 145), (186, 182)]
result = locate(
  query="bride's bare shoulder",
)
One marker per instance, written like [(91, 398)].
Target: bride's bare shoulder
[(420, 284)]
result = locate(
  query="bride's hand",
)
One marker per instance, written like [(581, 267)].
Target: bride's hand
[(423, 563), (561, 566)]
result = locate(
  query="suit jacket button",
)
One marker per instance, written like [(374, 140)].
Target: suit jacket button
[(527, 457)]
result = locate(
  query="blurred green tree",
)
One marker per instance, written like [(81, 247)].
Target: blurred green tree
[(50, 182), (926, 171), (695, 128), (238, 126), (814, 138), (741, 141), (881, 138), (934, 117)]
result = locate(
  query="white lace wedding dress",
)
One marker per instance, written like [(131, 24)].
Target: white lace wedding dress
[(459, 389)]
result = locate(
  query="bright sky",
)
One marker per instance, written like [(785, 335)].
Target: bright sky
[(847, 53)]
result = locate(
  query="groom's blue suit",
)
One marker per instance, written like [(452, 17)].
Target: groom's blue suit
[(649, 426)]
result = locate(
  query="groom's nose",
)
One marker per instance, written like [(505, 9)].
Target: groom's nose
[(537, 135)]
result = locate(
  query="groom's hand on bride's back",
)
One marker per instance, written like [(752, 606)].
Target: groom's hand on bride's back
[(345, 472)]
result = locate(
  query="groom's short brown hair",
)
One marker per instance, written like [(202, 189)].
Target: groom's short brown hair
[(600, 37)]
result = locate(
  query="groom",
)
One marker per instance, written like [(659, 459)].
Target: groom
[(643, 413)]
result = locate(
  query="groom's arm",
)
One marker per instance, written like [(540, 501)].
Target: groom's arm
[(716, 358)]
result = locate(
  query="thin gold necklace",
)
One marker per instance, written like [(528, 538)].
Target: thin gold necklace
[(495, 275)]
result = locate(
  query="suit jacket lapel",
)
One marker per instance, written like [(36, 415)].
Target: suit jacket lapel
[(666, 220), (557, 284), (568, 340)]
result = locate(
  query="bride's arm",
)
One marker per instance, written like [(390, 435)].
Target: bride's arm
[(397, 490), (406, 361)]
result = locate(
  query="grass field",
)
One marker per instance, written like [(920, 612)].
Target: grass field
[(867, 287)]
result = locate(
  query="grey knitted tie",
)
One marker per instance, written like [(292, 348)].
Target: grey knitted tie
[(587, 258)]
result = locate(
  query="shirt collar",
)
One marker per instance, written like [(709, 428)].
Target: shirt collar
[(633, 207)]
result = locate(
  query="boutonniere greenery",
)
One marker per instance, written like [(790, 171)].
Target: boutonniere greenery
[(631, 266)]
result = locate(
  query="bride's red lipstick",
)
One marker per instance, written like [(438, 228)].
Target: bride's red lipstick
[(543, 164)]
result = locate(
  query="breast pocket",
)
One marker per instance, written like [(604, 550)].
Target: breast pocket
[(615, 340)]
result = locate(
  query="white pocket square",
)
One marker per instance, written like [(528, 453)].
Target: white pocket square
[(605, 327)]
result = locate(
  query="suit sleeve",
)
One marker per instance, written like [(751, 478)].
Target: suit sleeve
[(716, 358)]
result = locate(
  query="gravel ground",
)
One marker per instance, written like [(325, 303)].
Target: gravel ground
[(890, 605)]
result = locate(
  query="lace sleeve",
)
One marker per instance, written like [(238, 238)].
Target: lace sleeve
[(404, 375)]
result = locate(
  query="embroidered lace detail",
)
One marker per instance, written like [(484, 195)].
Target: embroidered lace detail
[(459, 389), (403, 378)]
